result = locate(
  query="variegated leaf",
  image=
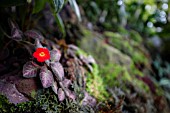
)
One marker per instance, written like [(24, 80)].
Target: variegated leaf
[(61, 95), (55, 55), (33, 34), (46, 77), (58, 70), (75, 7), (66, 83), (29, 70), (16, 33), (55, 87), (38, 44), (58, 4), (70, 94)]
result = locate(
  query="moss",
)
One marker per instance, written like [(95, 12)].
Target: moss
[(4, 104), (115, 75), (130, 46), (81, 52), (7, 107), (135, 36), (95, 85)]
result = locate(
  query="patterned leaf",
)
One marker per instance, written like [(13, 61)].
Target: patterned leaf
[(70, 94), (29, 70), (55, 55), (58, 4), (61, 95), (55, 87), (38, 44), (33, 34), (16, 33), (66, 83), (58, 70), (46, 77)]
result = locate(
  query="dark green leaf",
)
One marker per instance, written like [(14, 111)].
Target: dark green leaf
[(60, 23), (39, 5)]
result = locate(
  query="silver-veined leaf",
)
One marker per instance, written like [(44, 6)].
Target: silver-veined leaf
[(70, 94), (55, 87), (16, 33), (55, 55), (66, 83), (58, 70), (33, 34), (61, 95), (29, 70), (46, 77)]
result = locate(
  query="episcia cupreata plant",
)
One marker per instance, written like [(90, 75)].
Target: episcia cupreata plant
[(51, 73)]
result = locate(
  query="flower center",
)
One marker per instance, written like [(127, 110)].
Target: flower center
[(42, 54)]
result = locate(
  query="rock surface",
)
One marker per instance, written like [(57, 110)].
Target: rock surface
[(98, 48), (17, 89)]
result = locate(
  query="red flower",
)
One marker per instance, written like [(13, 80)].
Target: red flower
[(42, 54)]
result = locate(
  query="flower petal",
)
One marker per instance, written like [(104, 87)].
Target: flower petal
[(42, 58)]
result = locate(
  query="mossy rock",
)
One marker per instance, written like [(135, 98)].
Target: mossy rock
[(101, 51), (130, 45)]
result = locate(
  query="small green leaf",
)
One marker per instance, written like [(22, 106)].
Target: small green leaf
[(75, 7), (58, 4)]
